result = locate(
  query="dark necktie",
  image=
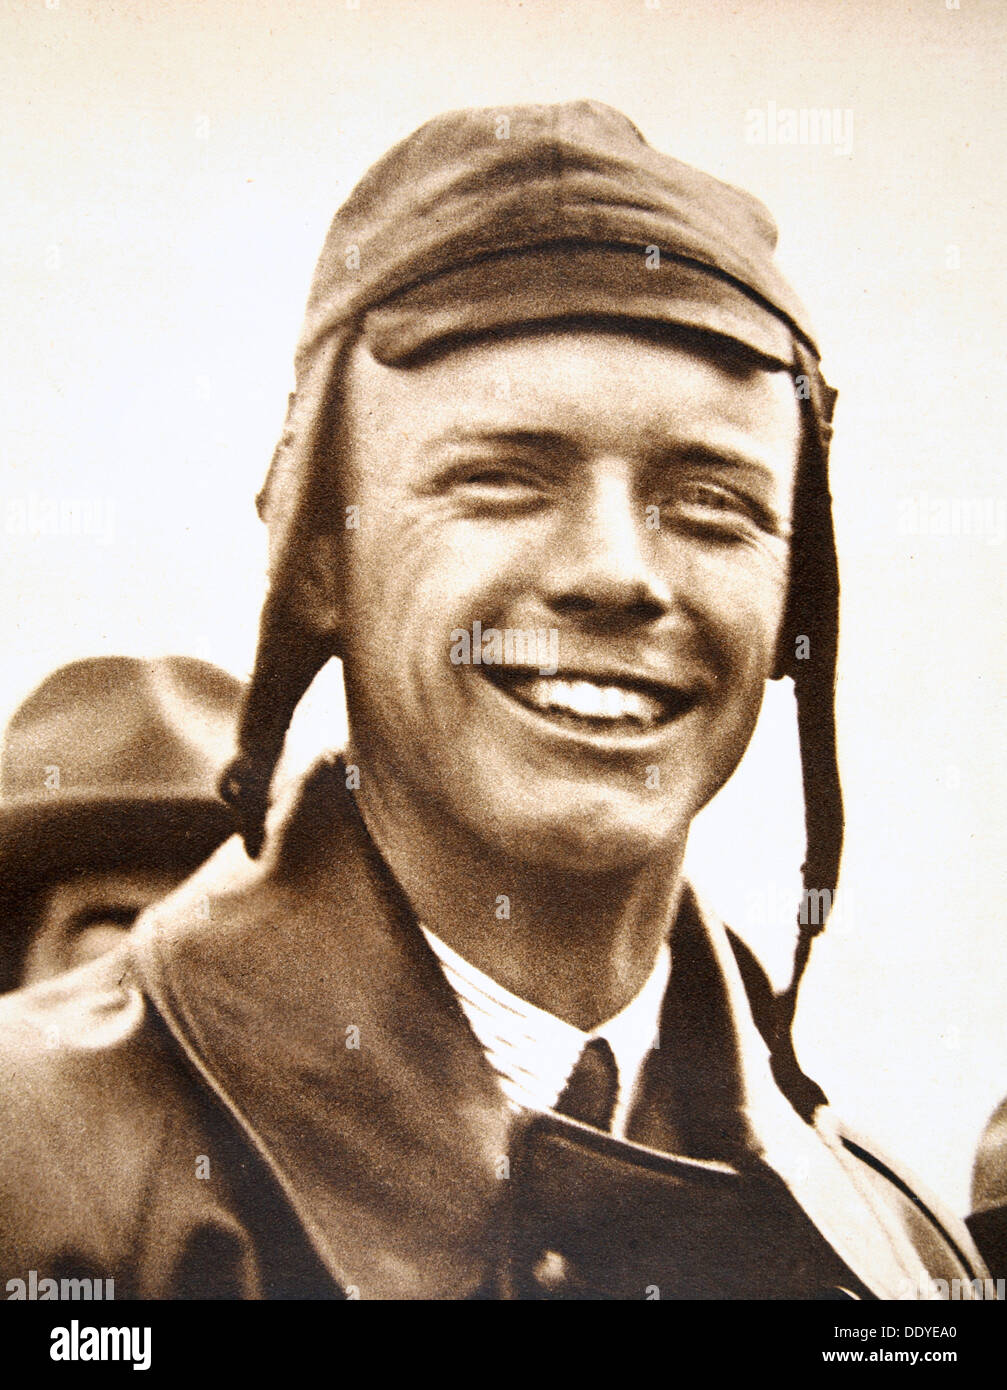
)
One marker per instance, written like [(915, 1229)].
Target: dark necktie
[(590, 1093)]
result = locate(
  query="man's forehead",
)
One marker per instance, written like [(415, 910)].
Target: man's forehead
[(544, 364), (568, 396)]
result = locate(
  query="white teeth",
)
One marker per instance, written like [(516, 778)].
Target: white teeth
[(590, 701)]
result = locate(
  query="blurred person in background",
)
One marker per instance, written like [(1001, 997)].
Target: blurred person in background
[(108, 800), (988, 1222)]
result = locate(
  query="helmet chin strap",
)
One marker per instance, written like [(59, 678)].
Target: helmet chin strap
[(809, 649)]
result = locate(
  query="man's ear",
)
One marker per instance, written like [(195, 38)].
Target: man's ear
[(318, 595)]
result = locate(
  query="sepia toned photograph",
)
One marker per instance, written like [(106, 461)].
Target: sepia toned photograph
[(503, 691)]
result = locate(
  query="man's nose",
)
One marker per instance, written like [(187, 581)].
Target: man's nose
[(605, 566)]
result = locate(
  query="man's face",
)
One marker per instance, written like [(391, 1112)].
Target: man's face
[(629, 496), (85, 916)]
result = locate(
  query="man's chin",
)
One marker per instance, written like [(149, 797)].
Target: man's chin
[(572, 829)]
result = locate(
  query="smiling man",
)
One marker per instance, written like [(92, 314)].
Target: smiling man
[(571, 793), (454, 1026)]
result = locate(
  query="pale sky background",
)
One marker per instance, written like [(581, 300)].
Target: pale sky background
[(169, 170)]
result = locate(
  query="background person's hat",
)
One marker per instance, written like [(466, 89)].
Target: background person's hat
[(113, 762)]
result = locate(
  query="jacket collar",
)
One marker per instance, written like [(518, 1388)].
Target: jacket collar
[(309, 1001)]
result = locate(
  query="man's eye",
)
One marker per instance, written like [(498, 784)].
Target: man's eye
[(718, 509), (494, 477), (718, 505), (492, 487), (497, 484), (712, 498), (111, 915)]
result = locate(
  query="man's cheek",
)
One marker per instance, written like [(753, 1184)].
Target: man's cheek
[(751, 616)]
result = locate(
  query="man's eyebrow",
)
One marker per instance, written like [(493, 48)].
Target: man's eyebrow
[(508, 438), (664, 451), (711, 456)]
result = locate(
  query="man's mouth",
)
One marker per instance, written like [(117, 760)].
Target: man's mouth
[(601, 704)]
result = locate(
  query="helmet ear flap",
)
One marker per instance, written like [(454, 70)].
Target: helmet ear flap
[(812, 533), (298, 633), (289, 656), (301, 617)]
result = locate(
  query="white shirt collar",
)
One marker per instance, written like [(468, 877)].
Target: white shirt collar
[(533, 1052)]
